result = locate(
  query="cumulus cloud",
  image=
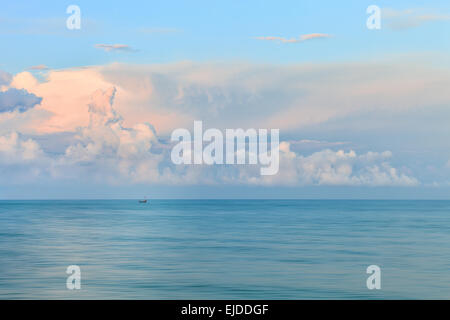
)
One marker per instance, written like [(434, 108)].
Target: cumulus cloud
[(14, 149), (113, 47), (21, 160), (17, 100), (65, 98), (264, 96), (105, 136), (288, 97), (107, 151), (118, 153), (115, 150), (327, 167), (113, 129), (301, 38)]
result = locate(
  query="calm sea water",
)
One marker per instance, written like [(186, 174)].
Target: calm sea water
[(224, 249)]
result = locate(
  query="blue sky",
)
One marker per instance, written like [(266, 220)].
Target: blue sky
[(379, 96), (166, 31)]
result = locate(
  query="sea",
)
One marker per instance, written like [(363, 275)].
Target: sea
[(225, 249)]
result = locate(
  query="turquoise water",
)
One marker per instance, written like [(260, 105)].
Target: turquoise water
[(225, 249)]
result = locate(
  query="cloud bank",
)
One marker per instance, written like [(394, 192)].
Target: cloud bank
[(107, 151), (110, 123), (264, 96), (329, 167)]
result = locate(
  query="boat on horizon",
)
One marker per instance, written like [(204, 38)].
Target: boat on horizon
[(143, 201)]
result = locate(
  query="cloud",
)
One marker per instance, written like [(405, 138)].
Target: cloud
[(110, 123), (302, 38), (285, 97), (410, 18), (14, 149), (21, 160), (39, 67), (109, 148), (5, 78), (331, 168), (17, 100), (114, 47), (107, 151), (314, 36), (65, 98), (290, 97), (106, 136), (308, 144)]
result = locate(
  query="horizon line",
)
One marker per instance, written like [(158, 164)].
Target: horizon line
[(229, 199)]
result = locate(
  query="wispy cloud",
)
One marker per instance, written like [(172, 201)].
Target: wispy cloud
[(39, 67), (410, 18), (301, 38), (113, 47)]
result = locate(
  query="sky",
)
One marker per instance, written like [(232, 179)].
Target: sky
[(88, 113)]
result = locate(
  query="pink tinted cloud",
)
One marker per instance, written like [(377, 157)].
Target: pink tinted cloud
[(66, 95), (114, 47)]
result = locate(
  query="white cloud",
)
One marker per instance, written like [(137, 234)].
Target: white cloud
[(14, 149), (21, 160), (329, 167), (106, 151), (114, 47), (115, 142), (107, 144)]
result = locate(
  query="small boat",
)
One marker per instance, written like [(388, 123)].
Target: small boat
[(143, 201)]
